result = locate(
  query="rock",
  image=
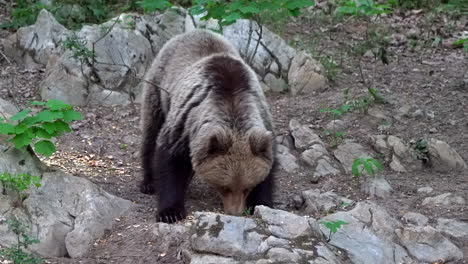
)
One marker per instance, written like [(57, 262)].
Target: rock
[(225, 235), (347, 152), (303, 136), (401, 157), (167, 234), (286, 160), (275, 84), (286, 140), (66, 214), (376, 186), (305, 75), (318, 158), (426, 244), (123, 57), (442, 157), (413, 33), (263, 62), (272, 236), (446, 199), (211, 259), (316, 202), (416, 219), (7, 109), (368, 237), (398, 39), (283, 224), (425, 190), (282, 255), (452, 227), (31, 46), (336, 125)]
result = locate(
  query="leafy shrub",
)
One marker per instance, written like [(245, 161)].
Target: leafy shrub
[(370, 165), (16, 254), (364, 8), (39, 127), (20, 182)]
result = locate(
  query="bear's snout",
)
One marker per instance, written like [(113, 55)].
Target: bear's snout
[(234, 203)]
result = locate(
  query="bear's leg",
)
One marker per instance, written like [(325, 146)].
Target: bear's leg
[(262, 194), (152, 120), (175, 173)]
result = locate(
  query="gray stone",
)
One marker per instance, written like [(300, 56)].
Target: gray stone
[(211, 259), (425, 190), (318, 158), (286, 160), (376, 186), (31, 46), (349, 151), (416, 219), (283, 224), (167, 233), (304, 137), (282, 255), (275, 84), (305, 75), (316, 202), (7, 109), (452, 227), (336, 125), (225, 235), (67, 214), (367, 238), (443, 157), (446, 199), (428, 245), (286, 140)]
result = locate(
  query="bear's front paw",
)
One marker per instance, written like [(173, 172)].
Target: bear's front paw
[(171, 215), (147, 188)]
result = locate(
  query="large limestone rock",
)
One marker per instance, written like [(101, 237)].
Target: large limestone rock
[(67, 214), (33, 45), (347, 152), (443, 157), (368, 236), (277, 64), (305, 75), (428, 245), (272, 236)]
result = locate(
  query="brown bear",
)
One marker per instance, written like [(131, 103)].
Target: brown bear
[(205, 115)]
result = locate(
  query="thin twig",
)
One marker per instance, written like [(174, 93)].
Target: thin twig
[(5, 57), (260, 35)]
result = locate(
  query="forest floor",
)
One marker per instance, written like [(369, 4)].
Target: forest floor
[(423, 72)]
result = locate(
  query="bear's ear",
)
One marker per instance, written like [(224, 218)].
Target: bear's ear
[(219, 143), (261, 143)]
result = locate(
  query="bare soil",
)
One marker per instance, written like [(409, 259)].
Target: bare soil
[(104, 146)]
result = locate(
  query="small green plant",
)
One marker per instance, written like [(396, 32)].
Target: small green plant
[(370, 165), (336, 137), (16, 254), (420, 147), (79, 50), (123, 146), (49, 121), (247, 211), (333, 226), (463, 42), (25, 13), (19, 182), (360, 8), (332, 69)]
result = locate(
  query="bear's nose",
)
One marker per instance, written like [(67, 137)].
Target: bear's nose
[(234, 203)]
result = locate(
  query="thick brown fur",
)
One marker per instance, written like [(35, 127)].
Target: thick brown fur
[(205, 114)]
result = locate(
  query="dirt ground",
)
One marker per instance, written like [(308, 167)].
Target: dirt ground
[(104, 146)]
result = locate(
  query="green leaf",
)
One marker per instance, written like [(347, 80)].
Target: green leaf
[(57, 105), (21, 140), (6, 128), (48, 116), (249, 9), (296, 4), (49, 127), (45, 147), (376, 164), (20, 115), (71, 115), (355, 169), (42, 133), (368, 167), (232, 17), (153, 5), (61, 126), (37, 103)]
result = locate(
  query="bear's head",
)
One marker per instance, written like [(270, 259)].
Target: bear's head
[(234, 163)]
